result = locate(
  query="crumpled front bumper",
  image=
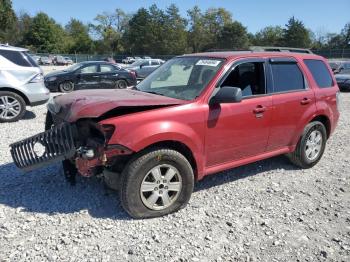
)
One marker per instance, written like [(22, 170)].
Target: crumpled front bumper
[(53, 145)]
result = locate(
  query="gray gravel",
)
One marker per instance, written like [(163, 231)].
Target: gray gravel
[(267, 211)]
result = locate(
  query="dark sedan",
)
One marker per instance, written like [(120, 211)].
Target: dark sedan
[(343, 80), (90, 75)]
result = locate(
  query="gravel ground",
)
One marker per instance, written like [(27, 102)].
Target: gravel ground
[(267, 211)]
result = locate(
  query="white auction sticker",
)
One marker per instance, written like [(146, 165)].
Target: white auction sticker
[(208, 62)]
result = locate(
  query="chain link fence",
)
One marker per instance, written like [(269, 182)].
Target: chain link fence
[(328, 53)]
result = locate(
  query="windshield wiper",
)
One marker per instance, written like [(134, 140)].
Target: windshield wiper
[(152, 92)]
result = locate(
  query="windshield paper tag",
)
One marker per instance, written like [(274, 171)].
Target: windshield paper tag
[(208, 62)]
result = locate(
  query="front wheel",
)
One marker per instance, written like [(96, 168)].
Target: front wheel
[(12, 107), (156, 183), (311, 146)]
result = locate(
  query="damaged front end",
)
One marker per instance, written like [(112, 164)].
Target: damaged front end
[(82, 146)]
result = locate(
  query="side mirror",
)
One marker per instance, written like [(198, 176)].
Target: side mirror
[(227, 94)]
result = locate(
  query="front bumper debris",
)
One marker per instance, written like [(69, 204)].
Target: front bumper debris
[(53, 145)]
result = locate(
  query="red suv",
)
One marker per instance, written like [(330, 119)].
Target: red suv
[(194, 116)]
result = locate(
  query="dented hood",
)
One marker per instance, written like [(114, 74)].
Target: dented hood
[(95, 103)]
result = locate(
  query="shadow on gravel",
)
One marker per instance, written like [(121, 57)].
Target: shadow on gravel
[(29, 115), (46, 190), (279, 162)]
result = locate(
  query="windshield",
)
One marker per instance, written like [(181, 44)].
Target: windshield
[(182, 77), (73, 67)]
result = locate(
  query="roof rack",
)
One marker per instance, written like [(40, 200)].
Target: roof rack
[(280, 49), (253, 49)]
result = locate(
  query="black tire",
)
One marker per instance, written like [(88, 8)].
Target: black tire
[(121, 84), (299, 156), (139, 167), (20, 107), (66, 87)]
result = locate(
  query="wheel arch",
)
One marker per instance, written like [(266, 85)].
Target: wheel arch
[(13, 90), (325, 121)]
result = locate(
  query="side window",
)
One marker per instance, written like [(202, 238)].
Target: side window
[(145, 63), (16, 57), (287, 77), (107, 68), (89, 69), (154, 63), (250, 77), (319, 72)]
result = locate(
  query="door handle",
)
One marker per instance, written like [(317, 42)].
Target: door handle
[(259, 109), (305, 101)]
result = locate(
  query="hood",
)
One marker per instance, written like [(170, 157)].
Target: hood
[(95, 103)]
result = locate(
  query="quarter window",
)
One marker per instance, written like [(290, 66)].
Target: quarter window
[(287, 77), (319, 72)]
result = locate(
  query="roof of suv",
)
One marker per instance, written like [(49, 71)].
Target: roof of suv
[(236, 54), (12, 48)]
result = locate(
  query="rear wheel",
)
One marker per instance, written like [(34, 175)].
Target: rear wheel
[(311, 146), (121, 84), (12, 106), (156, 183), (66, 87)]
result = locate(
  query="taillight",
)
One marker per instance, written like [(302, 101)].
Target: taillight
[(108, 131), (38, 78), (133, 74)]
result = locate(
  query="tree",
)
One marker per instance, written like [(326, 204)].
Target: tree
[(80, 41), (196, 33), (233, 36), (44, 35), (269, 36), (295, 34), (109, 29), (7, 21)]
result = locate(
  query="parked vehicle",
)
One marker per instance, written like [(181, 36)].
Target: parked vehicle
[(45, 60), (128, 60), (60, 60), (89, 75), (69, 61), (343, 80), (339, 66), (21, 83), (196, 115), (147, 57), (144, 67)]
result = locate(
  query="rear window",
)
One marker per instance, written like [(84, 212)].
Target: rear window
[(18, 58), (287, 77), (319, 72)]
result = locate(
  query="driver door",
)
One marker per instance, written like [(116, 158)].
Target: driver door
[(240, 130), (88, 77)]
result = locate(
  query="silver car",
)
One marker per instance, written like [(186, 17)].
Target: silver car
[(21, 83), (144, 67)]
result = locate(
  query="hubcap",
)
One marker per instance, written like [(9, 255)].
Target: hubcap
[(67, 86), (121, 85), (9, 107), (313, 145), (161, 187)]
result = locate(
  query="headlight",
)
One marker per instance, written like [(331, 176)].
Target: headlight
[(52, 78)]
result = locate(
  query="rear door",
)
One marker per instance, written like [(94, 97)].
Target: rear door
[(108, 76), (293, 101)]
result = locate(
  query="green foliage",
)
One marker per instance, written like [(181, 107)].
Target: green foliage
[(155, 31), (7, 20), (295, 34)]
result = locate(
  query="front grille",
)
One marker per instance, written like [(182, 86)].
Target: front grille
[(55, 144)]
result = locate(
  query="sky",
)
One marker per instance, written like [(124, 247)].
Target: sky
[(321, 16)]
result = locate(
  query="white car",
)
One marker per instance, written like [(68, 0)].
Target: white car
[(21, 83)]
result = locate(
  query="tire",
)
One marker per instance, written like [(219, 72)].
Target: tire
[(302, 157), (66, 87), (121, 84), (135, 177), (12, 107)]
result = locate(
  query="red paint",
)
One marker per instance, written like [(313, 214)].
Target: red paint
[(219, 137)]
